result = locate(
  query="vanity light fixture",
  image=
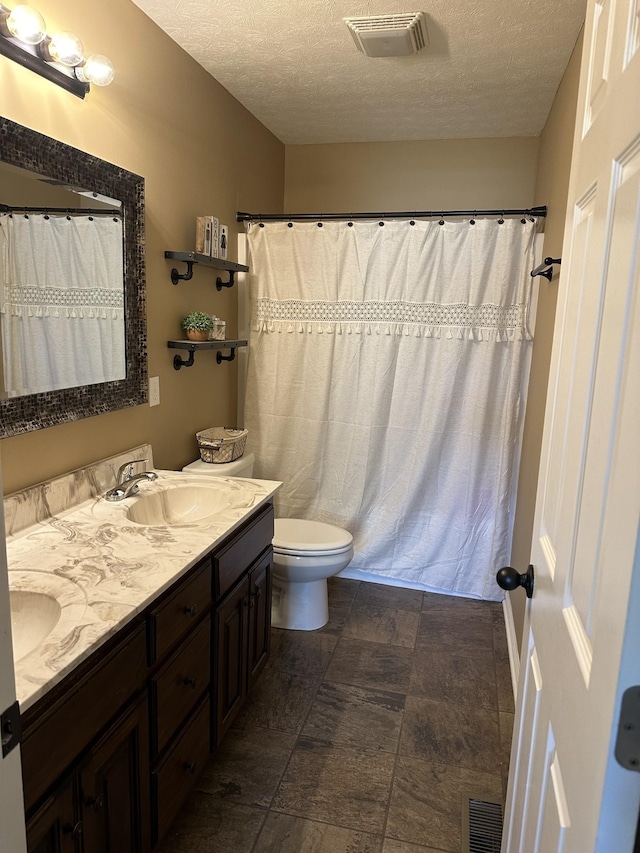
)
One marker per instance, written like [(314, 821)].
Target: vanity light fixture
[(60, 57)]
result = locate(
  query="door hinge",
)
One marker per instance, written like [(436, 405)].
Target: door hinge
[(11, 728), (627, 750)]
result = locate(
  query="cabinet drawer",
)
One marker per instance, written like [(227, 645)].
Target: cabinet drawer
[(235, 558), (177, 773), (74, 719), (179, 684), (178, 613)]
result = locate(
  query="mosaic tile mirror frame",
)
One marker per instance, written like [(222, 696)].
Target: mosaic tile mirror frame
[(24, 148)]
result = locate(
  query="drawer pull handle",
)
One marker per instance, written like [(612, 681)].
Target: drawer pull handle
[(191, 682), (191, 611), (190, 766)]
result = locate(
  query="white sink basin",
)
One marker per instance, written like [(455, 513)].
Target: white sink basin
[(34, 615), (44, 608), (186, 504)]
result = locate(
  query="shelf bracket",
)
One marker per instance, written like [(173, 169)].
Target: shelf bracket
[(220, 358), (176, 276), (179, 362), (220, 283)]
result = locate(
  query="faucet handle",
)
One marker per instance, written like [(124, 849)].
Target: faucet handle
[(125, 471)]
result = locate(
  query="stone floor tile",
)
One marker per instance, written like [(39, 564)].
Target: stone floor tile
[(356, 717), (279, 700), (395, 597), (337, 785), (427, 801), (386, 625), (392, 845), (303, 653), (284, 833), (209, 824), (458, 735), (460, 679), (248, 766), (454, 631), (373, 665)]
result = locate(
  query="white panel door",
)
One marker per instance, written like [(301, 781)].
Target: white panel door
[(580, 648), (12, 835)]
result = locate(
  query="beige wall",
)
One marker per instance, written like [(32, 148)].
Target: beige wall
[(378, 176), (552, 185), (200, 152)]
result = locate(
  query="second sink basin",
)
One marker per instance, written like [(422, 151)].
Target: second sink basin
[(34, 615), (185, 504), (44, 608)]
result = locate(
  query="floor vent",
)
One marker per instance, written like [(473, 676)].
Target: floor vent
[(481, 826)]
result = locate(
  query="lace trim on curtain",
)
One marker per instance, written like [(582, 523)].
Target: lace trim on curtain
[(99, 302), (422, 319)]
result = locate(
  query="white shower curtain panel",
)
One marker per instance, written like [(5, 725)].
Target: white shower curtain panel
[(61, 301), (384, 387)]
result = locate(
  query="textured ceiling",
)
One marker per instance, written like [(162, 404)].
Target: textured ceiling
[(492, 67)]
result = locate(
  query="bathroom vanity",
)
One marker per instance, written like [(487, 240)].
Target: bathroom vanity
[(114, 743)]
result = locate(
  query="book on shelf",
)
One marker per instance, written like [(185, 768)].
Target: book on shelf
[(207, 237), (224, 241)]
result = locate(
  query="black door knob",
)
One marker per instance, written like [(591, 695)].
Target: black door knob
[(510, 579)]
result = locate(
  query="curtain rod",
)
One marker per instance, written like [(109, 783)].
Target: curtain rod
[(418, 214), (21, 208)]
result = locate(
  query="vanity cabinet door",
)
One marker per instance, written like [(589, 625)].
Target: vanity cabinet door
[(55, 828), (232, 631), (114, 787), (259, 617)]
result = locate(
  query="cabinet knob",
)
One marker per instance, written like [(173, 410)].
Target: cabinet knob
[(96, 802), (74, 830), (191, 682), (245, 602), (191, 611), (190, 766)]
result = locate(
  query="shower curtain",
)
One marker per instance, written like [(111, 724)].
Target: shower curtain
[(61, 301), (384, 387)]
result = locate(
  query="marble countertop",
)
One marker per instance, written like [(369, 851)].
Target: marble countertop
[(103, 568)]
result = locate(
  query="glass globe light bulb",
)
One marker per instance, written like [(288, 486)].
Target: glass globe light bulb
[(26, 24), (66, 48), (97, 69)]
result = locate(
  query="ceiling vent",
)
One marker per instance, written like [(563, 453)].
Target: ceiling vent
[(389, 35)]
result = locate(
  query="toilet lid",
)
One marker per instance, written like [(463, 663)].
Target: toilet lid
[(299, 535)]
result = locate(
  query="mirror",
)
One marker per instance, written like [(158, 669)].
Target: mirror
[(78, 191)]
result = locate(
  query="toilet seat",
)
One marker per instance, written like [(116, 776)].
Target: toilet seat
[(297, 536)]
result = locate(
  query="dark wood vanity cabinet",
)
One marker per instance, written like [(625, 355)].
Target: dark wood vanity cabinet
[(103, 805), (111, 752)]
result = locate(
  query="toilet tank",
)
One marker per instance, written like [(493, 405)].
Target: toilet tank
[(242, 467)]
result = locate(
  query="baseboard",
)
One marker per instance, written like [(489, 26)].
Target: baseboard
[(512, 644)]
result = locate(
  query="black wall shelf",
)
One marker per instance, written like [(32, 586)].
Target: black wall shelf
[(194, 346), (191, 258)]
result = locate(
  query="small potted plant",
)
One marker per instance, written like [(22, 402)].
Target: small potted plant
[(197, 325)]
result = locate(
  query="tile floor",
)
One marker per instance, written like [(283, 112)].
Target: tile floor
[(362, 737)]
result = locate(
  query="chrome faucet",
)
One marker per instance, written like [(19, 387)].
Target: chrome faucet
[(127, 482)]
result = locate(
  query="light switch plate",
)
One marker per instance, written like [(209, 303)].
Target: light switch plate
[(154, 390)]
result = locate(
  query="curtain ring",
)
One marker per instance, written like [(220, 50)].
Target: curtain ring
[(441, 221), (350, 224), (319, 224), (289, 224), (381, 223), (412, 222), (501, 220), (261, 224), (472, 221)]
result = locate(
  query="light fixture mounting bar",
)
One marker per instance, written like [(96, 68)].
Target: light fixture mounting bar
[(23, 57)]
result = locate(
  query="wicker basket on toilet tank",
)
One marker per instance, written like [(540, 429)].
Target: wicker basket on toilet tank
[(221, 444)]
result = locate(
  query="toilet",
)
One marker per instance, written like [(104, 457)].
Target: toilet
[(305, 554)]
